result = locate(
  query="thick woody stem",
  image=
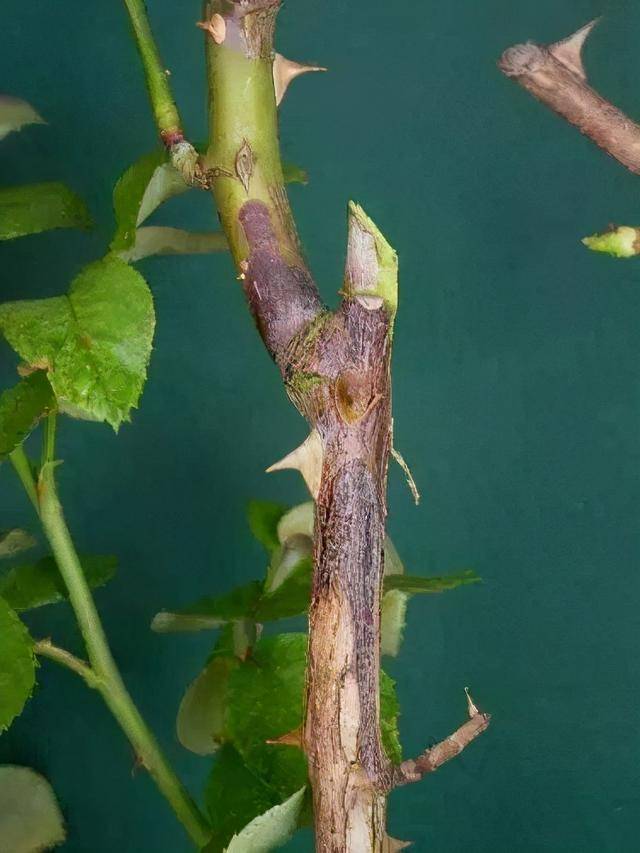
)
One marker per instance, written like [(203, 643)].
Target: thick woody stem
[(555, 75), (336, 370)]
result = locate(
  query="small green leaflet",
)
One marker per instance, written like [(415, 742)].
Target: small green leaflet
[(264, 702), (393, 613), (293, 174), (263, 517), (34, 585), (161, 240), (211, 612), (94, 343), (32, 208), (417, 585), (21, 408), (200, 724), (146, 184), (270, 830), (15, 114), (234, 795), (389, 713), (30, 817), (14, 541), (17, 665)]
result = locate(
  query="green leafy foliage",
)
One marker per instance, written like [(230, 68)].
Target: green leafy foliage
[(265, 697), (17, 665), (146, 184), (263, 517), (418, 585), (234, 796), (15, 114), (200, 724), (293, 174), (15, 541), (393, 614), (270, 830), (21, 408), (291, 597), (210, 612), (389, 713), (32, 208), (94, 343), (149, 182), (30, 817), (36, 584)]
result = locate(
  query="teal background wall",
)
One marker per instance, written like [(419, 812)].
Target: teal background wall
[(516, 374)]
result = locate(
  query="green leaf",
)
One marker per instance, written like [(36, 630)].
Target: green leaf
[(30, 817), (293, 174), (15, 114), (29, 586), (263, 517), (32, 208), (417, 585), (291, 597), (265, 701), (234, 795), (14, 541), (211, 612), (145, 185), (21, 408), (265, 698), (94, 343), (389, 713), (270, 830), (392, 621), (17, 665), (200, 724), (160, 240), (298, 521)]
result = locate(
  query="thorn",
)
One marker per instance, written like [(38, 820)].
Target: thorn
[(285, 70), (307, 459), (473, 711), (569, 51), (292, 738), (216, 26), (392, 845), (413, 488)]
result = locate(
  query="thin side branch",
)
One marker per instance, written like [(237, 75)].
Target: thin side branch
[(46, 649), (436, 756), (555, 75), (167, 118)]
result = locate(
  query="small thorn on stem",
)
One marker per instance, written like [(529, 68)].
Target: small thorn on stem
[(473, 711), (307, 459), (292, 738), (569, 51), (285, 70)]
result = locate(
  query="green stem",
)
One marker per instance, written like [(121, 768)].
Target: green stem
[(103, 672), (22, 467), (164, 107)]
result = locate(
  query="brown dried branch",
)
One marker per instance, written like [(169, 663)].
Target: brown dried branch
[(555, 75), (436, 756)]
